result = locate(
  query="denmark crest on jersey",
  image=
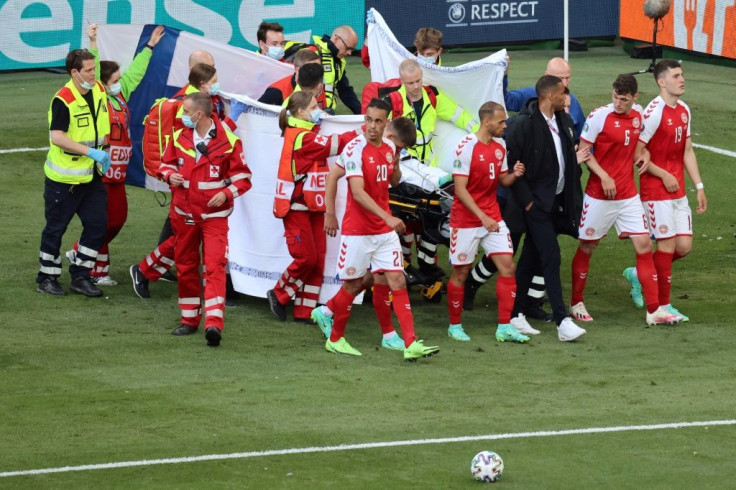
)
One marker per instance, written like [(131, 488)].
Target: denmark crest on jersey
[(683, 116), (499, 154), (636, 123), (389, 156)]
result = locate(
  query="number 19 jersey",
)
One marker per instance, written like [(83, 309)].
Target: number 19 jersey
[(666, 130)]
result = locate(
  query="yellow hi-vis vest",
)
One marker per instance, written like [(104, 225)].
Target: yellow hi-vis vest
[(70, 168), (444, 108), (333, 72)]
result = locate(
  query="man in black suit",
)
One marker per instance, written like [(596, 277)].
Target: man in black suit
[(549, 194)]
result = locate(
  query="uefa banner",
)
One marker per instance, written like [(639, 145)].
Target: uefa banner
[(701, 26), (483, 22), (40, 33)]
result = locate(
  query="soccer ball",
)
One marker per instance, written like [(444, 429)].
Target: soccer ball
[(486, 466)]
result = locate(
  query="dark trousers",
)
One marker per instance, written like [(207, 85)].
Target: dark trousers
[(166, 231), (62, 202), (541, 251)]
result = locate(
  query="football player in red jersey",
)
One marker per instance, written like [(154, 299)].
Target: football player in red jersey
[(369, 233), (612, 131), (666, 134), (475, 219)]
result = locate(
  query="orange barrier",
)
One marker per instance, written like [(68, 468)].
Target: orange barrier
[(702, 26)]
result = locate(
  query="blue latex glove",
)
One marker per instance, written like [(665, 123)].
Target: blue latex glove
[(236, 109), (101, 157)]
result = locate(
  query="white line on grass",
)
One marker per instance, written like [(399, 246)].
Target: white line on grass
[(720, 151), (367, 445), (22, 150)]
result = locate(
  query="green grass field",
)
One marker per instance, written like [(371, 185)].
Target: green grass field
[(91, 381)]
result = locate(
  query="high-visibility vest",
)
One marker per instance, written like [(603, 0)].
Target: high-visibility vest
[(70, 168), (334, 68), (290, 186), (435, 104), (121, 146)]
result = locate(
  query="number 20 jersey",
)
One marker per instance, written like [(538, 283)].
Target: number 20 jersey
[(375, 164)]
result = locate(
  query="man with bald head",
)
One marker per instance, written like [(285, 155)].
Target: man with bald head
[(333, 49), (200, 56), (557, 67)]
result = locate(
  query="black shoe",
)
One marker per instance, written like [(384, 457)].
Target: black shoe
[(306, 321), (168, 276), (213, 336), (184, 329), (431, 272), (83, 285), (536, 312), (230, 303), (276, 308), (140, 283), (471, 287), (413, 276), (50, 286)]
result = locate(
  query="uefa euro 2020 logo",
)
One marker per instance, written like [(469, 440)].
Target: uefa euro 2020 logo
[(456, 12)]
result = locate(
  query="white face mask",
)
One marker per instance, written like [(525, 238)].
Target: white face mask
[(275, 52), (114, 89)]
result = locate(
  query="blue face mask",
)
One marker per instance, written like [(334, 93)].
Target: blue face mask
[(85, 85), (114, 89), (316, 115), (187, 120), (215, 88), (430, 60), (275, 52)]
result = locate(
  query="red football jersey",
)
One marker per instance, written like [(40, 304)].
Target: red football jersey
[(614, 138), (375, 164), (666, 130), (482, 164)]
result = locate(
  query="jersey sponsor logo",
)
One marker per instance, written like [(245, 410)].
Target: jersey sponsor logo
[(616, 124), (636, 122), (585, 128), (683, 116), (499, 154), (457, 163), (669, 122), (481, 157), (321, 140), (350, 166)]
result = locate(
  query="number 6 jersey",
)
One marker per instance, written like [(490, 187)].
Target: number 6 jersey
[(614, 138)]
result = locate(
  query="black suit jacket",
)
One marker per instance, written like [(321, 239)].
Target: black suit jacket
[(529, 140)]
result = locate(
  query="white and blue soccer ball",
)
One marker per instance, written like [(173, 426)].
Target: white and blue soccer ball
[(486, 466)]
